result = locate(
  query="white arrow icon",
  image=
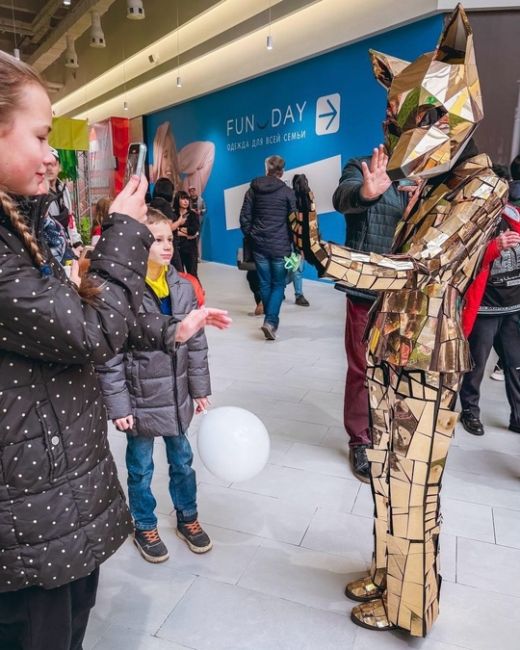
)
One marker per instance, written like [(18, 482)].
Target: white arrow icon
[(328, 114)]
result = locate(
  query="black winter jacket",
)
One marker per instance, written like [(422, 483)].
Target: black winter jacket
[(62, 511), (370, 224), (156, 388), (265, 216)]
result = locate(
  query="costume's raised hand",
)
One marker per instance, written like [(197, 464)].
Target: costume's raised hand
[(375, 179)]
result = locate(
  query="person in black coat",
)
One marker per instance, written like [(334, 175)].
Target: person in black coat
[(188, 232), (265, 219), (162, 200)]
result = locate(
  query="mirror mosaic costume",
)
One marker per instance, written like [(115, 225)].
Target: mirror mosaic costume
[(417, 352)]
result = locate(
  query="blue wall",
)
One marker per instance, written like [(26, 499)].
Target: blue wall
[(346, 71)]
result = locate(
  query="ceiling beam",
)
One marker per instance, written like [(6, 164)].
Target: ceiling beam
[(21, 28)]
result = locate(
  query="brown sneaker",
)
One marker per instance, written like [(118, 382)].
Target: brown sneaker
[(151, 546), (195, 537), (259, 310)]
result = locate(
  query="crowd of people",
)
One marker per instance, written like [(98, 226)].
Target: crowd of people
[(120, 333)]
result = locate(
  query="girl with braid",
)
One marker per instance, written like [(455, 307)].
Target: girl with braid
[(62, 512)]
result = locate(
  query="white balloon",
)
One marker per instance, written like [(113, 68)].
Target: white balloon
[(233, 443)]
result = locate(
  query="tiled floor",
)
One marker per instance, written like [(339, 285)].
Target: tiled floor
[(286, 541)]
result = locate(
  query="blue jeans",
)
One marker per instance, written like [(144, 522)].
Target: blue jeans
[(272, 274), (182, 485)]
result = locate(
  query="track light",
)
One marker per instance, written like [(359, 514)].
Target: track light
[(269, 42), (125, 105), (71, 58), (179, 82), (97, 38), (16, 53), (134, 9)]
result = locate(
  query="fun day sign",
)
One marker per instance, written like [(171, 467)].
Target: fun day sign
[(315, 114)]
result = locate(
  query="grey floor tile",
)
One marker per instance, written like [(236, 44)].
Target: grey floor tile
[(488, 567), (298, 486), (338, 533), (296, 430), (477, 619), (303, 576), (215, 616), (318, 459), (465, 519), (507, 527), (397, 641), (230, 556), (117, 637), (136, 594), (254, 513)]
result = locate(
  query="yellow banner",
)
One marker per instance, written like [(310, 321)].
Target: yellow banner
[(69, 134)]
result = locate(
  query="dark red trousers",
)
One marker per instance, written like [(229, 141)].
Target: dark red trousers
[(355, 405)]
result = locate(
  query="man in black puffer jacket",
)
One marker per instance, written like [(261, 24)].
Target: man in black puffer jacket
[(265, 219), (372, 206)]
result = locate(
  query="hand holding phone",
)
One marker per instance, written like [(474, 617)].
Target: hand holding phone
[(135, 160)]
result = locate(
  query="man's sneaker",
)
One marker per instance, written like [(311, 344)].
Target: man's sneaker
[(471, 423), (269, 331), (359, 462), (302, 301), (151, 546), (194, 536), (259, 309), (498, 373)]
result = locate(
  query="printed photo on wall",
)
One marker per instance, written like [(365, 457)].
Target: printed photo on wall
[(189, 167)]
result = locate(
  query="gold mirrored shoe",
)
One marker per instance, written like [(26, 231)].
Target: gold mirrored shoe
[(372, 616), (363, 590)]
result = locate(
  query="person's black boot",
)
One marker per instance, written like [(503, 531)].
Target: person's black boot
[(359, 462), (471, 423)]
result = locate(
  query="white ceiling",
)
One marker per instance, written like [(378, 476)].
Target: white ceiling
[(211, 58)]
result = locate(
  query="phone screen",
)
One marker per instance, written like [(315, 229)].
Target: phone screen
[(135, 160)]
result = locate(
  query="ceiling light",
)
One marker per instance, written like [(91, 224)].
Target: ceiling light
[(71, 58), (134, 9), (16, 53), (125, 105), (67, 3), (179, 82), (97, 38), (269, 42)]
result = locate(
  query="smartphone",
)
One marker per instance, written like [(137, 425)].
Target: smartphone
[(406, 182), (135, 160)]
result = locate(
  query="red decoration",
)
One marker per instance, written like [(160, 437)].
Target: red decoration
[(121, 139)]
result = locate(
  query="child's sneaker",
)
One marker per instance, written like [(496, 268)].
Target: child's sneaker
[(192, 533), (151, 546)]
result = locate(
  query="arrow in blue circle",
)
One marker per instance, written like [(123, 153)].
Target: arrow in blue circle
[(332, 114)]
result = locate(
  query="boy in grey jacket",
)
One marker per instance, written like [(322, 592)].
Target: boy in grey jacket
[(151, 394)]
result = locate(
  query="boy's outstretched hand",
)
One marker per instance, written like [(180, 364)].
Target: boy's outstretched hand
[(202, 404), (199, 318), (124, 424)]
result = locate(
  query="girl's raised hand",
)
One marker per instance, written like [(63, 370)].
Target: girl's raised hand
[(131, 199)]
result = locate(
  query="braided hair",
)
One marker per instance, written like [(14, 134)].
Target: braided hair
[(14, 77)]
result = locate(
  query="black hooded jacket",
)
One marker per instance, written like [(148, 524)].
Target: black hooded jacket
[(62, 510), (265, 216)]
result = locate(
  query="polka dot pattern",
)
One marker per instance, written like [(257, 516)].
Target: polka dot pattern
[(62, 510)]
